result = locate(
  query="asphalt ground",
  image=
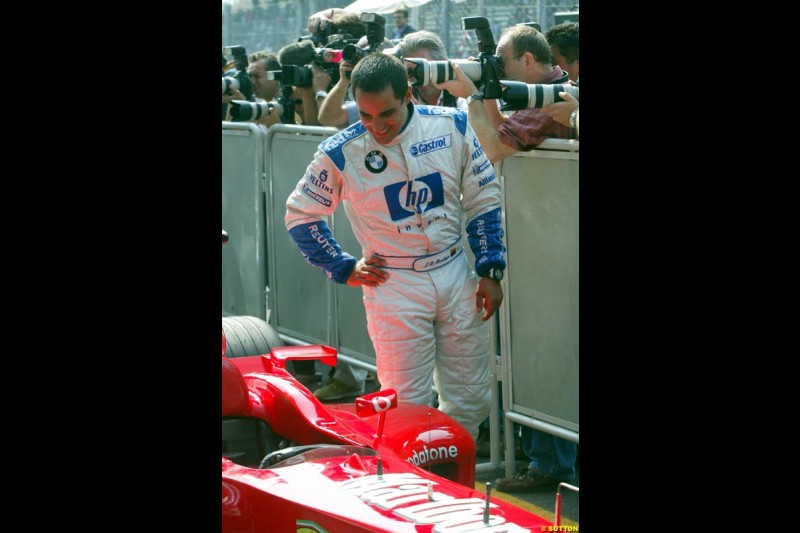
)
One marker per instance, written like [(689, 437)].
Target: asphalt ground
[(541, 503)]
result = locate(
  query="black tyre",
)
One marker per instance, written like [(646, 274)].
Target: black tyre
[(248, 335)]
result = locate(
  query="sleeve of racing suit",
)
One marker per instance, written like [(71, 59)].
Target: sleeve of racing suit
[(482, 200), (317, 195)]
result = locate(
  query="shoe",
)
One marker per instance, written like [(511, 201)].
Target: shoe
[(526, 479), (335, 390)]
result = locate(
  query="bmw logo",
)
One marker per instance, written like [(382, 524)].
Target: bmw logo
[(375, 162)]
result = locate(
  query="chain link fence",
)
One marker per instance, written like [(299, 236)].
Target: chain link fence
[(271, 24)]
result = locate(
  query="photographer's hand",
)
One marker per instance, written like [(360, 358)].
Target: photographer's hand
[(321, 79), (236, 94), (321, 19), (560, 111), (462, 86), (332, 111)]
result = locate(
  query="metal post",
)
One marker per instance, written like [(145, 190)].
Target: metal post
[(540, 14), (445, 35), (226, 24)]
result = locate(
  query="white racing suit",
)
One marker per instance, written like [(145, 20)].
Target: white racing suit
[(406, 201)]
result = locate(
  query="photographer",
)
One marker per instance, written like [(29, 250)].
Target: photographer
[(564, 41), (427, 45), (336, 109), (261, 63), (265, 89), (401, 25), (301, 54), (525, 56)]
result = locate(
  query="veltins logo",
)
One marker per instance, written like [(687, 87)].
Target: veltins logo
[(430, 145), (375, 162), (404, 199)]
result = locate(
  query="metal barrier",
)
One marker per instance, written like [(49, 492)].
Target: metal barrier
[(539, 318), (244, 258), (535, 337), (305, 306)]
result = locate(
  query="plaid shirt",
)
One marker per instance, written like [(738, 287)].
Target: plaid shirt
[(525, 129)]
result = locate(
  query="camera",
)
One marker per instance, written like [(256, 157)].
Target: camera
[(485, 72), (240, 79), (243, 111), (353, 54), (328, 59), (521, 95), (488, 61), (297, 76), (229, 82), (375, 30)]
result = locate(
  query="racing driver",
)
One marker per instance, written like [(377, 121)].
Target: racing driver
[(406, 175)]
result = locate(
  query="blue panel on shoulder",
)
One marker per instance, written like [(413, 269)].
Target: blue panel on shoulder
[(333, 145), (459, 116)]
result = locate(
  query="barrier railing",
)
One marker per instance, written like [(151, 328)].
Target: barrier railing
[(535, 338)]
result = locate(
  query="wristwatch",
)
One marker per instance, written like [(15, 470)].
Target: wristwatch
[(572, 117), (474, 96), (494, 273), (322, 94)]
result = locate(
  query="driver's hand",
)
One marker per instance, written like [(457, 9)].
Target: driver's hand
[(368, 272)]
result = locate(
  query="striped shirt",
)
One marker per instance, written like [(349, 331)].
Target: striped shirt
[(525, 129)]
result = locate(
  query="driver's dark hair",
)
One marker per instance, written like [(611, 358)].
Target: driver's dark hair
[(376, 72)]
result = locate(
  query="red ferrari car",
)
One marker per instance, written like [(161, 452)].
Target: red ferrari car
[(293, 464)]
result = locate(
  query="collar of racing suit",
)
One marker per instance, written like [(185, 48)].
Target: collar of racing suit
[(411, 116)]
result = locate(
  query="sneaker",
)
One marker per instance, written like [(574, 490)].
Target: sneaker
[(525, 479), (335, 390)]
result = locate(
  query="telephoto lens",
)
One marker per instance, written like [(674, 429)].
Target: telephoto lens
[(352, 53), (521, 95), (426, 72), (244, 111), (297, 76), (228, 83)]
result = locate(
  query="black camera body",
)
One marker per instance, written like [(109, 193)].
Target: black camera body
[(297, 76), (241, 77), (286, 102), (490, 63), (375, 31)]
